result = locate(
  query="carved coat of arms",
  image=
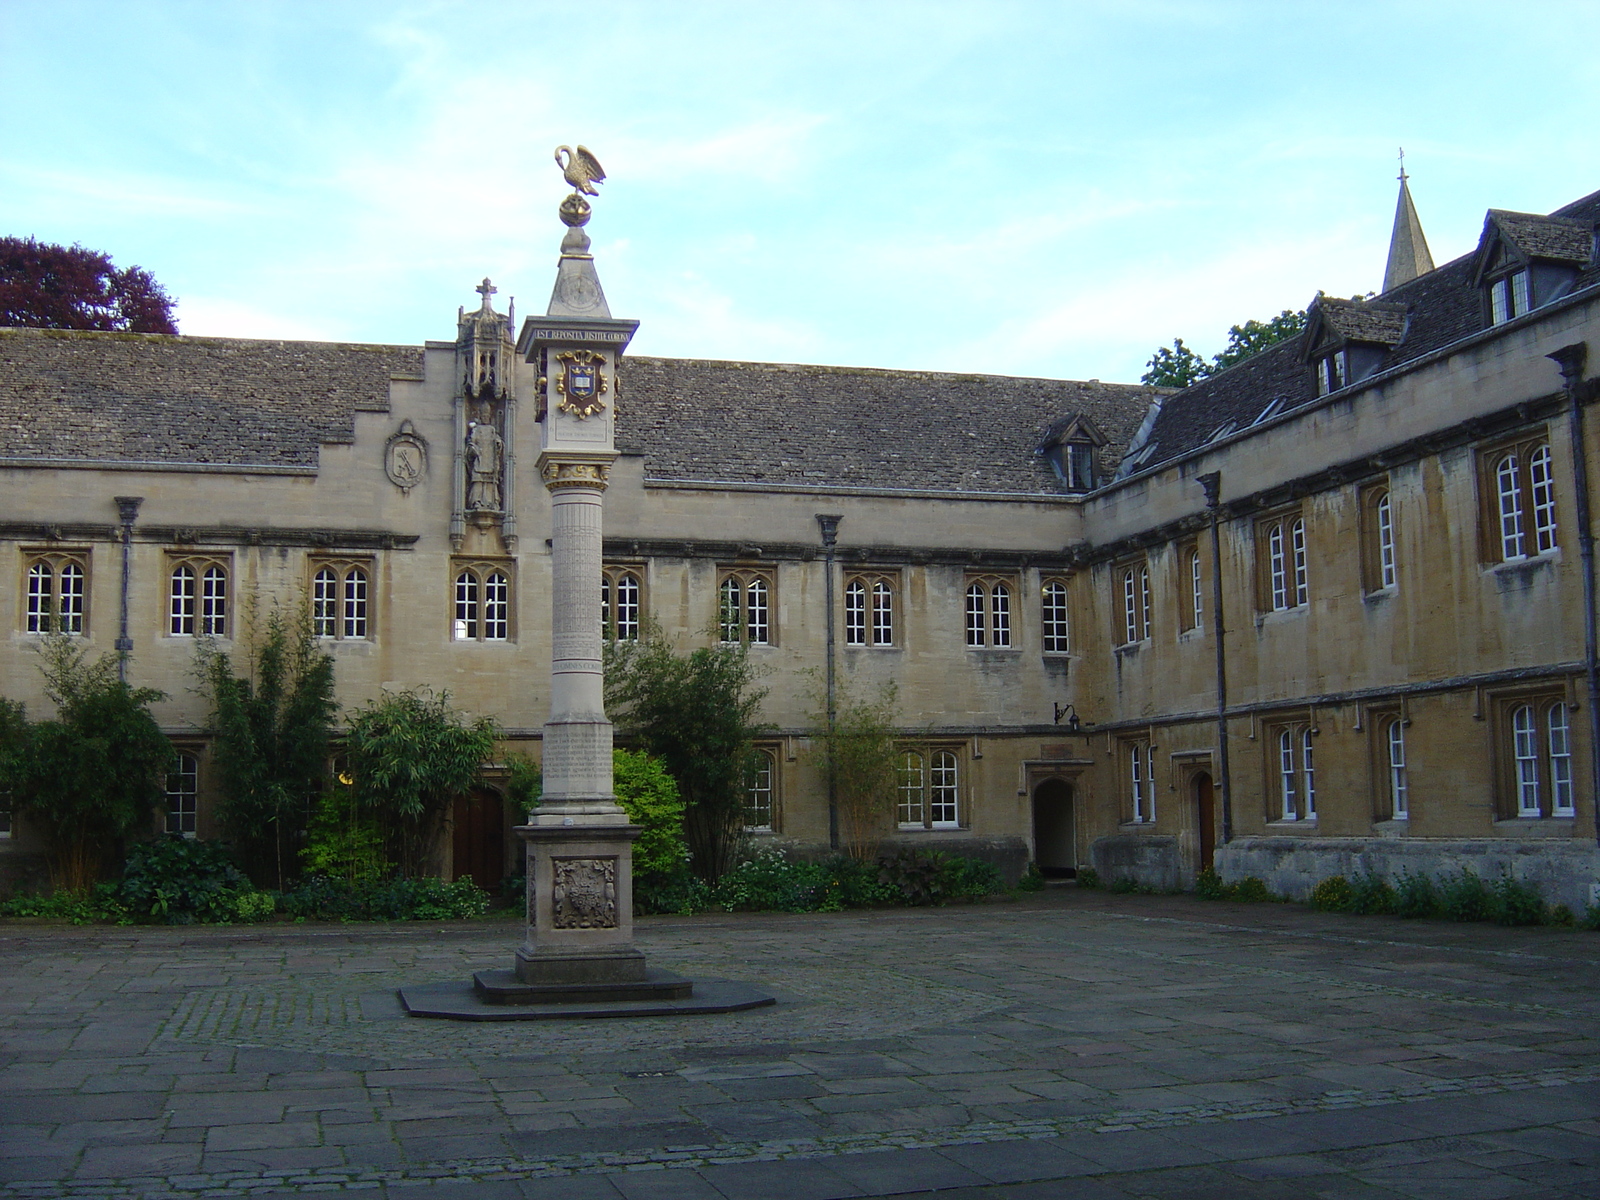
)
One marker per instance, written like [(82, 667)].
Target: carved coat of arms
[(581, 383), (585, 893)]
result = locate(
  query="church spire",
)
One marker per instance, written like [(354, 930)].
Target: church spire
[(1408, 248)]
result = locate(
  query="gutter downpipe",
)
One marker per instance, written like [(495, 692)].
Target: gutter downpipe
[(829, 524), (1571, 360), (127, 511), (1212, 483)]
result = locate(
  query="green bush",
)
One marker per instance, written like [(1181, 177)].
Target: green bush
[(1591, 918), (1464, 897), (1250, 890), (651, 799), (1333, 894), (417, 899), (1371, 895), (184, 881), (1416, 896), (1089, 879), (1515, 903), (1123, 885), (934, 877), (1032, 880), (1208, 885), (99, 903), (1561, 915)]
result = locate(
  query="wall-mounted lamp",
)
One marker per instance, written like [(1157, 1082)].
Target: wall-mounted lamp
[(1071, 714)]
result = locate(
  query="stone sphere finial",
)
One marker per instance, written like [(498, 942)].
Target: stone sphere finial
[(575, 211)]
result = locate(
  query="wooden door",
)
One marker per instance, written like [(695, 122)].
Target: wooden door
[(1205, 818), (479, 839)]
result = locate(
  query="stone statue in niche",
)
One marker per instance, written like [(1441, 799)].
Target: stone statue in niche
[(585, 893), (485, 456)]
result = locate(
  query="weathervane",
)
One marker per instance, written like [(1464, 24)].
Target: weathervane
[(582, 170)]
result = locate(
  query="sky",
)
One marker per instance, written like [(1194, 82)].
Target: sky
[(1045, 189)]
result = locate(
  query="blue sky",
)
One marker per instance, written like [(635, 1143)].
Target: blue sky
[(1020, 188)]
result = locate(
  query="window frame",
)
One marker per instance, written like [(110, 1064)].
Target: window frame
[(990, 610), (39, 619), (615, 625), (1282, 556), (870, 601), (183, 817), (1291, 760), (1536, 771), (1191, 589), (1055, 621), (485, 613), (1133, 588), (1138, 757), (1520, 506), (748, 584), (1510, 294), (764, 764), (348, 615), (1380, 564), (201, 619), (931, 781)]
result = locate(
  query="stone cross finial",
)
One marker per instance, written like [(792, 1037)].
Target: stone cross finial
[(486, 289)]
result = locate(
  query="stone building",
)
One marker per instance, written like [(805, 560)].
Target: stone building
[(1403, 609)]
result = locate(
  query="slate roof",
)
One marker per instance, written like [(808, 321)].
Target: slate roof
[(1442, 307), (1563, 240), (1374, 321), (809, 426), (109, 397), (148, 398)]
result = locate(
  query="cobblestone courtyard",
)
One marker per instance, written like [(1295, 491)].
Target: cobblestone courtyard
[(1070, 1044)]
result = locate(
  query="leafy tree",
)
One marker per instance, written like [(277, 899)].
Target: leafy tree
[(1178, 366), (95, 773), (1255, 336), (273, 723), (697, 714), (863, 760), (1175, 366), (45, 286), (411, 754)]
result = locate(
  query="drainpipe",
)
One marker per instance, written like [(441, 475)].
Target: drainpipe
[(829, 524), (1571, 360), (127, 510), (1212, 484)]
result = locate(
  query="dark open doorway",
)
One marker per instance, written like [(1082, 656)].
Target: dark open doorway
[(1054, 832), (1205, 817), (479, 839)]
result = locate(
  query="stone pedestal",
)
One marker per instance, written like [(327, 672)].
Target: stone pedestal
[(580, 906)]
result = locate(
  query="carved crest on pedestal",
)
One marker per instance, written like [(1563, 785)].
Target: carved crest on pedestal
[(582, 382), (585, 894)]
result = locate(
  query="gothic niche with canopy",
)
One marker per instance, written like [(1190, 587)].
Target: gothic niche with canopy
[(484, 411)]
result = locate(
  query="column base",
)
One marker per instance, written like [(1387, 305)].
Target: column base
[(504, 987), (597, 965)]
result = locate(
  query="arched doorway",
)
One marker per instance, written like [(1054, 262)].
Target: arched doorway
[(1055, 846), (479, 838), (1205, 816)]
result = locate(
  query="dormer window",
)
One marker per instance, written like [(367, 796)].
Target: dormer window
[(1525, 261), (1333, 372), (1509, 297), (1079, 461), (1070, 447), (1348, 341)]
